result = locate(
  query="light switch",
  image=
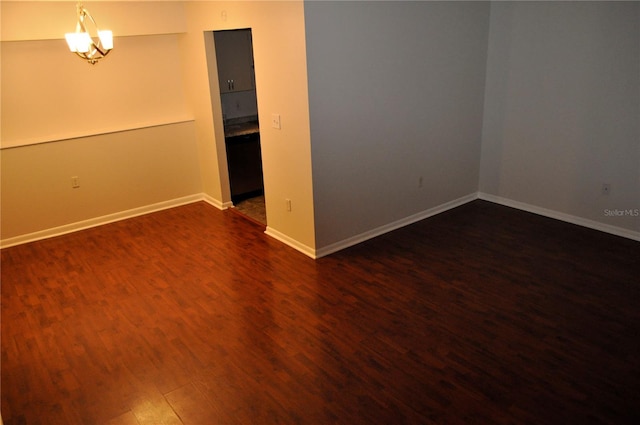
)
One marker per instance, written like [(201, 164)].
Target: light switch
[(275, 121)]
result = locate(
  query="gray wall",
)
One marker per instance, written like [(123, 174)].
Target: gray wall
[(395, 93), (562, 109)]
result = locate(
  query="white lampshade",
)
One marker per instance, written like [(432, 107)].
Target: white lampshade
[(78, 41), (83, 44), (106, 39)]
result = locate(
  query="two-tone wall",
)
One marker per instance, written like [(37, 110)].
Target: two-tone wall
[(391, 112), (122, 126)]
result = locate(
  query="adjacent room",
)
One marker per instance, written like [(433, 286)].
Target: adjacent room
[(449, 225)]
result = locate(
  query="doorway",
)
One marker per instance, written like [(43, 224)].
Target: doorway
[(236, 80)]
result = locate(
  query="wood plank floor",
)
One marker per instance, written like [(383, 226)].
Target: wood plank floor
[(480, 315)]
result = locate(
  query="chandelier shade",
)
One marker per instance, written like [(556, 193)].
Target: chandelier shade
[(82, 43)]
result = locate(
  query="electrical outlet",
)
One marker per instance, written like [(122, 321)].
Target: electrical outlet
[(75, 182), (275, 121), (606, 188)]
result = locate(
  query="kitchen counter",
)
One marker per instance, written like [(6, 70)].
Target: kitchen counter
[(241, 127)]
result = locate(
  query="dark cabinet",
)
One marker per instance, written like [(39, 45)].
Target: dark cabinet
[(234, 53), (244, 160)]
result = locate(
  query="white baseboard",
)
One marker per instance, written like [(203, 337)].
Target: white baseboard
[(306, 250), (329, 249), (219, 205), (618, 231), (99, 221), (354, 240)]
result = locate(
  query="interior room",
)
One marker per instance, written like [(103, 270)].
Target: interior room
[(354, 125), (485, 106)]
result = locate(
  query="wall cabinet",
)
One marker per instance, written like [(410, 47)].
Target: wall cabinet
[(234, 54)]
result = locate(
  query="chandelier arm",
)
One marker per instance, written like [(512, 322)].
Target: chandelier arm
[(86, 14), (99, 50), (82, 13)]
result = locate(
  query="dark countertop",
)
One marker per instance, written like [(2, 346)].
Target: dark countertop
[(241, 127)]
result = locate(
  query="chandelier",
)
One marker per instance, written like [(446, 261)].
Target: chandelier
[(89, 48)]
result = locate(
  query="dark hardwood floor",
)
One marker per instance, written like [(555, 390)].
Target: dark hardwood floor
[(480, 315)]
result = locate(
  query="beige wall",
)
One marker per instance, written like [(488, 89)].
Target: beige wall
[(122, 126), (280, 67), (143, 127), (137, 85), (46, 20), (117, 172)]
